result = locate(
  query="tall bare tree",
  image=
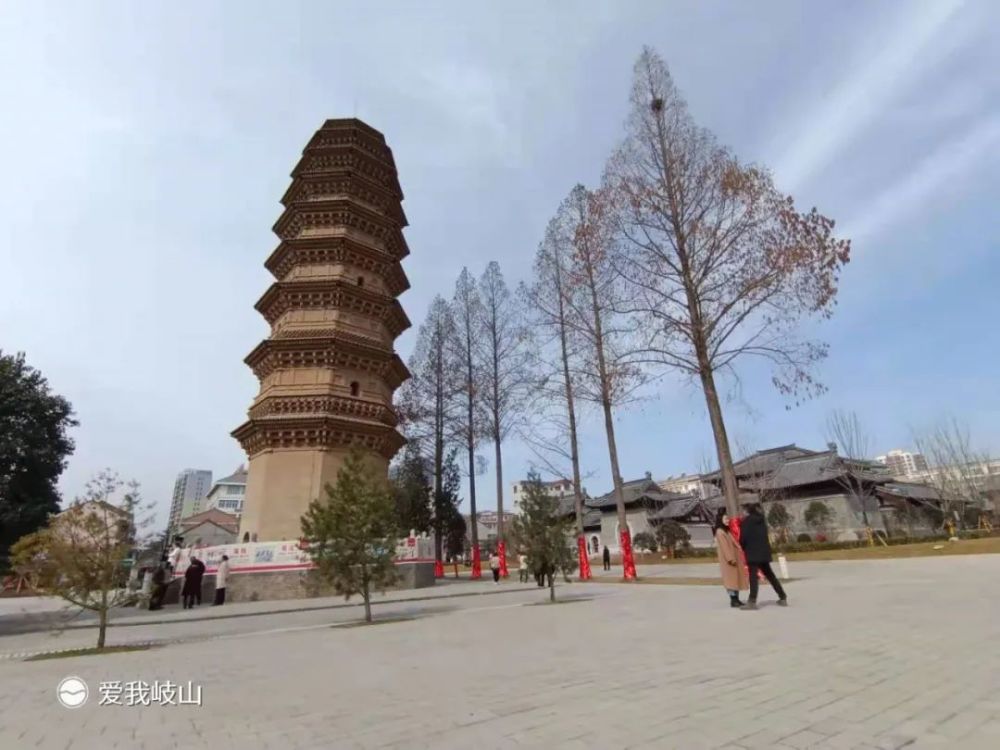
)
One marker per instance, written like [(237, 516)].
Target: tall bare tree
[(853, 442), (956, 469), (428, 405), (505, 363), (466, 309), (721, 266), (594, 290), (554, 411)]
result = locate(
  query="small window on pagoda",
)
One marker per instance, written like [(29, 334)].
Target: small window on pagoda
[(355, 388), (246, 537), (361, 280)]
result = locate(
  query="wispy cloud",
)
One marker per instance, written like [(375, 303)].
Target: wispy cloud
[(863, 94), (929, 179)]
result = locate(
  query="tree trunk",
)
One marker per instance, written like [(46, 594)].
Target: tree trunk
[(102, 628), (501, 546), (729, 487), (438, 462), (574, 450), (368, 602), (624, 536), (477, 570), (552, 587)]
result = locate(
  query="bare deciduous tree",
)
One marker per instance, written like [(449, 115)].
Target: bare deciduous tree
[(428, 403), (956, 469), (504, 354), (466, 309), (845, 431), (554, 412), (595, 290), (720, 265)]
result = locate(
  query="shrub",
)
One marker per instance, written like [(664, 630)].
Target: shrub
[(818, 514), (670, 534), (645, 540)]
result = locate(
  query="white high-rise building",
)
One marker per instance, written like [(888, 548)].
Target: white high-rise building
[(560, 488), (903, 463), (189, 490)]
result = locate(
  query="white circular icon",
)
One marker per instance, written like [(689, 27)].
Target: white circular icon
[(72, 692)]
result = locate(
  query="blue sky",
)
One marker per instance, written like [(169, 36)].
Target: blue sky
[(145, 148)]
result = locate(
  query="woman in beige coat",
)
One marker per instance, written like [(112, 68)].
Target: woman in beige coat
[(734, 573)]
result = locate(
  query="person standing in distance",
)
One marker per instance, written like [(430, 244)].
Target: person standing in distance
[(495, 567), (757, 548), (522, 567), (221, 574), (607, 558)]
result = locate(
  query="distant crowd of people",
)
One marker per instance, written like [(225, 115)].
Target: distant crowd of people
[(191, 587)]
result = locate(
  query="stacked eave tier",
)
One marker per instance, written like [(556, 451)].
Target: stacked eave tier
[(314, 431), (342, 213), (311, 349), (329, 156), (310, 188), (304, 251), (332, 294)]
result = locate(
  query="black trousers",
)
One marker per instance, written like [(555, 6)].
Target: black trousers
[(156, 598), (607, 565), (188, 601), (765, 568), (496, 575), (220, 596)]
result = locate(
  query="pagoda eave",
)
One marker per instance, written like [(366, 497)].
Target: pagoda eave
[(315, 250), (316, 432)]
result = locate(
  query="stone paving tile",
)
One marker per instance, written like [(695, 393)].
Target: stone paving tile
[(670, 668)]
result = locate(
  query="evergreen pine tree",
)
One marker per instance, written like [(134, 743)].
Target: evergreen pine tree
[(412, 492), (352, 533), (543, 533)]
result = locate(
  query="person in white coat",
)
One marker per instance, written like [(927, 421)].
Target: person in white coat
[(221, 574)]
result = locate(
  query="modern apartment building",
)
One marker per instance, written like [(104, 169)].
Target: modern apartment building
[(190, 489), (903, 463)]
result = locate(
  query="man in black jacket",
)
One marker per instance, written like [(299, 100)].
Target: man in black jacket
[(757, 548)]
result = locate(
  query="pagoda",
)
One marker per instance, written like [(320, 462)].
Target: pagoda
[(328, 370)]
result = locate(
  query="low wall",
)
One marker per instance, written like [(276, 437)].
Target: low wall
[(302, 584), (262, 571)]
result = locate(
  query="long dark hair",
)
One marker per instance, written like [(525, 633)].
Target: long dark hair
[(719, 523)]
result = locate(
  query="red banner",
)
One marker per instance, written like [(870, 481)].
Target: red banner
[(581, 546), (628, 561), (502, 554), (477, 566), (438, 569)]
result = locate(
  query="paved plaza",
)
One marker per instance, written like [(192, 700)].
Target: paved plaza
[(870, 654)]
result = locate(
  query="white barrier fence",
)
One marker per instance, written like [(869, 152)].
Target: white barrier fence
[(263, 557)]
